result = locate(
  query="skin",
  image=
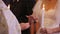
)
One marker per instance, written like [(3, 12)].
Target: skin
[(54, 30), (49, 4), (24, 26)]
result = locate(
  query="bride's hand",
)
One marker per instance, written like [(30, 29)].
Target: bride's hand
[(46, 31), (43, 31), (49, 31), (54, 30)]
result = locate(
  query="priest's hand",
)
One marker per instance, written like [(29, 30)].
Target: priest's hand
[(24, 26)]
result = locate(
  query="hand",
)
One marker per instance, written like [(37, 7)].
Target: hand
[(43, 31), (24, 26), (34, 17), (49, 31), (54, 30)]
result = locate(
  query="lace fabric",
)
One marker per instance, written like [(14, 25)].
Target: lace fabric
[(51, 16)]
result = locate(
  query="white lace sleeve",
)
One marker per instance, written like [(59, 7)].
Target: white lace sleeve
[(12, 22)]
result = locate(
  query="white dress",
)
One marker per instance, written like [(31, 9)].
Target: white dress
[(51, 18), (11, 21)]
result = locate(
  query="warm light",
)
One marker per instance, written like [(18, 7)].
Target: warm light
[(8, 6), (43, 6)]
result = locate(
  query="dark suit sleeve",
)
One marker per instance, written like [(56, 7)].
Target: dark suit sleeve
[(22, 8), (19, 9), (25, 7), (29, 5)]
